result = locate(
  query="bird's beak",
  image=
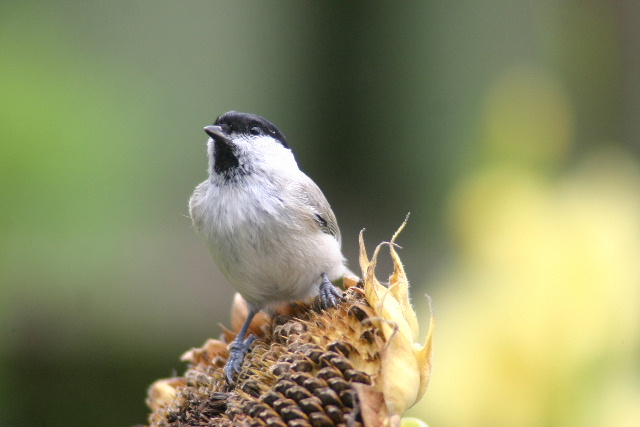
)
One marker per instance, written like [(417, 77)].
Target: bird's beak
[(217, 133)]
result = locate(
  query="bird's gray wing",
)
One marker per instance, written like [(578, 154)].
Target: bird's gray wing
[(319, 208)]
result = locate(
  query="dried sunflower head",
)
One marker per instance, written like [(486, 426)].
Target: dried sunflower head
[(354, 365)]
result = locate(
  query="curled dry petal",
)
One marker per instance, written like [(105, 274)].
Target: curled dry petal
[(405, 364)]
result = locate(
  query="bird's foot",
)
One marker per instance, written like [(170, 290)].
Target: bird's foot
[(237, 352), (329, 294)]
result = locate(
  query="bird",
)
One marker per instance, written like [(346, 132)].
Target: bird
[(268, 226)]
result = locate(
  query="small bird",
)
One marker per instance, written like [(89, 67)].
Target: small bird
[(267, 225)]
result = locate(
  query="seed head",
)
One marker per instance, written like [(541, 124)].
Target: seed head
[(355, 365)]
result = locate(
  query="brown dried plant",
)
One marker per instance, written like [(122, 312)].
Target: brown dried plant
[(355, 365)]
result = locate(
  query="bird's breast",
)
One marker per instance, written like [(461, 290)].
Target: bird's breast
[(266, 253)]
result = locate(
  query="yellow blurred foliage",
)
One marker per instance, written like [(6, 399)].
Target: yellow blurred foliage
[(527, 117), (539, 315)]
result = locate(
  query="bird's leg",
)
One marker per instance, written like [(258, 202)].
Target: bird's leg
[(239, 348), (329, 294)]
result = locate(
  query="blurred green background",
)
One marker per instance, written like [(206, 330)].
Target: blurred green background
[(509, 130)]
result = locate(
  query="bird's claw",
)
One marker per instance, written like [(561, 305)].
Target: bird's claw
[(237, 351), (329, 294)]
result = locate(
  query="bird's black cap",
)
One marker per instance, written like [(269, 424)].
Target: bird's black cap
[(249, 124)]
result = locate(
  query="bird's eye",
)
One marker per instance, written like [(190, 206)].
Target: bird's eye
[(255, 130)]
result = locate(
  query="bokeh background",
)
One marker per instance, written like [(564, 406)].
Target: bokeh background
[(509, 130)]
